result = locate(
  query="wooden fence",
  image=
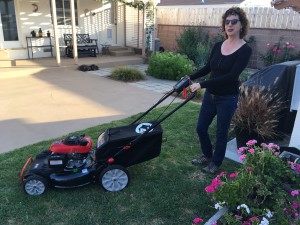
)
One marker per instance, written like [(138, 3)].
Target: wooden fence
[(259, 17)]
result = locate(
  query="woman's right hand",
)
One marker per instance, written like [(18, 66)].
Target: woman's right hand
[(195, 86)]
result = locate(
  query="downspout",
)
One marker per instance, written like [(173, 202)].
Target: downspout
[(56, 41), (74, 38), (124, 19)]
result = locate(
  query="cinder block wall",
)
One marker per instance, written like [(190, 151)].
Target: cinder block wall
[(168, 34)]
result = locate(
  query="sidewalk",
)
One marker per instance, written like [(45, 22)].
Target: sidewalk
[(45, 103), (40, 103), (151, 83)]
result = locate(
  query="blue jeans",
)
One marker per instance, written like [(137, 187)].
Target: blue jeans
[(223, 107)]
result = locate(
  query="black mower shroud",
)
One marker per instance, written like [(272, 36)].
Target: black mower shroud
[(117, 149)]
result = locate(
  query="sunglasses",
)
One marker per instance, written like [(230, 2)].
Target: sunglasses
[(233, 22)]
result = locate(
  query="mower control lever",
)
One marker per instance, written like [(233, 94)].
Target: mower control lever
[(182, 83)]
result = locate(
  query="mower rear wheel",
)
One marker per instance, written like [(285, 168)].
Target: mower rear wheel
[(114, 178), (35, 185)]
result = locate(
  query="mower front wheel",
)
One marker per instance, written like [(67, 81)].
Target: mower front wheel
[(34, 185), (114, 178)]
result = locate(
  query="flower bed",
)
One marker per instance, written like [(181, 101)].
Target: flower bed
[(263, 191)]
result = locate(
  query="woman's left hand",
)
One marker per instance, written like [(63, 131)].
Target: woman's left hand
[(195, 86)]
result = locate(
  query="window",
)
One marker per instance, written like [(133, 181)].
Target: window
[(64, 13), (8, 18)]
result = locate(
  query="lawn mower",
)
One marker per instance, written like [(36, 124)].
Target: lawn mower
[(72, 162)]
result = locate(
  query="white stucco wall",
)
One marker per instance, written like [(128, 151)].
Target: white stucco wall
[(94, 18)]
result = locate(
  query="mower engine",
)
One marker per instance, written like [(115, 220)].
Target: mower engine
[(71, 152)]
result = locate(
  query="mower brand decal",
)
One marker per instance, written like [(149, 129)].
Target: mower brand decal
[(55, 162), (36, 165), (141, 128), (84, 171)]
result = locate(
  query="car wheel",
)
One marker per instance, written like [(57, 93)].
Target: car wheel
[(114, 178), (34, 185)]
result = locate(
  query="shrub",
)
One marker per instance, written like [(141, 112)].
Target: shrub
[(244, 76), (169, 66), (279, 52), (127, 74), (188, 41), (261, 191)]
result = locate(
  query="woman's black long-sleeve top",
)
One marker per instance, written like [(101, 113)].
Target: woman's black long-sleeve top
[(224, 70)]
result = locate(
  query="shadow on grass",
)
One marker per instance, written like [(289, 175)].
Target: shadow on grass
[(165, 190)]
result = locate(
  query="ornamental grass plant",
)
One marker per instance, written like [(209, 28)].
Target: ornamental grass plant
[(127, 74), (258, 112)]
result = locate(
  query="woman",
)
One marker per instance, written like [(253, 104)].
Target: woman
[(227, 61)]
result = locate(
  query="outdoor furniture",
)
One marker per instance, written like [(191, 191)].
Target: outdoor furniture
[(85, 45), (38, 42)]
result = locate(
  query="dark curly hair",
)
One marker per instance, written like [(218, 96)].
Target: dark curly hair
[(242, 17)]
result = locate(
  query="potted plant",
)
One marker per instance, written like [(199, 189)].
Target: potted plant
[(262, 191), (257, 115), (33, 33)]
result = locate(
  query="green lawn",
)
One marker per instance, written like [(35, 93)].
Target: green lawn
[(165, 190)]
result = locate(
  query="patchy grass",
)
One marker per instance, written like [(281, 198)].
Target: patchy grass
[(165, 190)]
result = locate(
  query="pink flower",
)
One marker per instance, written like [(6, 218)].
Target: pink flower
[(246, 223), (210, 189), (216, 182), (238, 216), (296, 215), (275, 49), (298, 168), (295, 193), (242, 157), (214, 223), (249, 168), (278, 52), (295, 205), (254, 218), (251, 150), (222, 174), (198, 220), (233, 175), (292, 165), (272, 146), (251, 142), (240, 150)]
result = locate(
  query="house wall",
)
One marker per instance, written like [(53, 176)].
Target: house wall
[(267, 25), (99, 21)]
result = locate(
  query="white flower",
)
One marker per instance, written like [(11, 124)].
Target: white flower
[(218, 206), (245, 207), (264, 221), (269, 214)]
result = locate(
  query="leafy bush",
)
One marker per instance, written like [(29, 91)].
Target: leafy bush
[(279, 52), (127, 74), (244, 76), (260, 191), (189, 40), (169, 66)]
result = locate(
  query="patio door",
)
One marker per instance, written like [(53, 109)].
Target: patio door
[(9, 31)]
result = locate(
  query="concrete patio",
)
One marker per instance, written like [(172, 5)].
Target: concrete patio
[(40, 101)]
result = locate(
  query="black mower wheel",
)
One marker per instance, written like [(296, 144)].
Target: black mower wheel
[(114, 178), (35, 185)]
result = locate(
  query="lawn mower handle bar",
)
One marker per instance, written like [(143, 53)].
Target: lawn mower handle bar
[(178, 87), (162, 119)]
